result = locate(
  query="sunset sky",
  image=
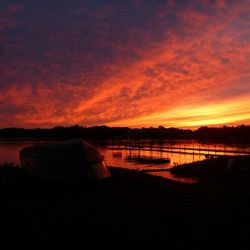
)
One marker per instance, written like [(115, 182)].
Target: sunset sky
[(124, 63)]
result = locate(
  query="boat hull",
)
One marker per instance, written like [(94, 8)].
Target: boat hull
[(70, 160)]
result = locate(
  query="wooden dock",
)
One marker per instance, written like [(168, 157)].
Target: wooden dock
[(184, 150)]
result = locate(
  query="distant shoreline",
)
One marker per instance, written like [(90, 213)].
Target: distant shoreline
[(239, 134)]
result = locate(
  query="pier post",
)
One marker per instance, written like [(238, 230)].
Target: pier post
[(193, 152)]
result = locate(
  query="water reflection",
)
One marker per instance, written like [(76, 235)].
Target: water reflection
[(151, 156), (144, 161)]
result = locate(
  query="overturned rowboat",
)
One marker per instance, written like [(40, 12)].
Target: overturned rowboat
[(67, 160)]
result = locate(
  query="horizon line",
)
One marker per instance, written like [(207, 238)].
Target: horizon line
[(143, 127)]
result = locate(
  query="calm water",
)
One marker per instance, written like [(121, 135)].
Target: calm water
[(119, 154)]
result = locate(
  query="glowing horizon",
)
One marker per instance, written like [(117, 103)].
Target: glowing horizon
[(126, 63), (219, 114)]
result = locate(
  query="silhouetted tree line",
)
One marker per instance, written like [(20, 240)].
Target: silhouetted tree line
[(232, 134), (235, 134)]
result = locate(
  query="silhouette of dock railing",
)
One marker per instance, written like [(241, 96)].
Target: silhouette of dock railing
[(184, 150)]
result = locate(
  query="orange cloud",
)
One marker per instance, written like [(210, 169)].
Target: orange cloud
[(191, 72)]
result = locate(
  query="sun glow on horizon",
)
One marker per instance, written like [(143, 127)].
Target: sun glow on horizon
[(230, 112)]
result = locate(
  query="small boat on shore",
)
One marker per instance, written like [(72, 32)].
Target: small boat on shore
[(117, 155), (147, 160), (66, 160)]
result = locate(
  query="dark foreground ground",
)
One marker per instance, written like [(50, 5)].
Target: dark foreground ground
[(130, 210)]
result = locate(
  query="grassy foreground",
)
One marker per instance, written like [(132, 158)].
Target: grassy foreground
[(130, 210)]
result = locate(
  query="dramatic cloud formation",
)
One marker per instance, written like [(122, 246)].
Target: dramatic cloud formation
[(124, 63)]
